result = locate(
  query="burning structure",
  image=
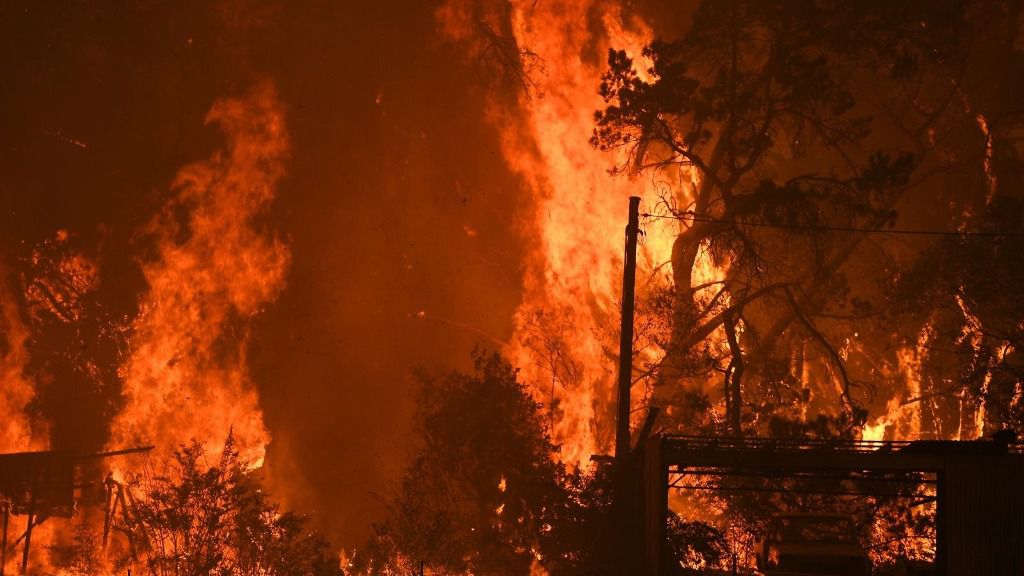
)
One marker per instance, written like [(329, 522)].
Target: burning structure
[(231, 222)]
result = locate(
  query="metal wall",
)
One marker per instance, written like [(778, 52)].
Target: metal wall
[(982, 505)]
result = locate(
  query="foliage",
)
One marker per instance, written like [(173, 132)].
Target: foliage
[(213, 520), (483, 490), (696, 544), (76, 340), (81, 556), (970, 293), (484, 495), (780, 111)]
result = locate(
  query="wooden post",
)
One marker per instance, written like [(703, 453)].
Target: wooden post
[(31, 520), (109, 507), (625, 504), (655, 507), (3, 550), (626, 335), (28, 539)]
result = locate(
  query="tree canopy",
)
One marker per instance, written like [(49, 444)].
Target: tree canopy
[(482, 491), (792, 132)]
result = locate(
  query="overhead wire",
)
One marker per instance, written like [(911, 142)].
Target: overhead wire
[(690, 217)]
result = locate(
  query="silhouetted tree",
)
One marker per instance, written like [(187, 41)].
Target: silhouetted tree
[(970, 292), (482, 492), (209, 520), (74, 351)]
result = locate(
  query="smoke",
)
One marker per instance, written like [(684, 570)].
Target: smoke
[(214, 267)]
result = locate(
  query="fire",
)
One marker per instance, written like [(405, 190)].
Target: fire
[(971, 333), (16, 390), (566, 325), (990, 178), (902, 418), (214, 268)]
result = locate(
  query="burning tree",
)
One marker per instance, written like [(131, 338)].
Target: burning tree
[(762, 101), (774, 124), (785, 139), (967, 292)]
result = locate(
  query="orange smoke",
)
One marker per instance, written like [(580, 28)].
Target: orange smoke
[(213, 268)]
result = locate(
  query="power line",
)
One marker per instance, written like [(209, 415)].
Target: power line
[(896, 231)]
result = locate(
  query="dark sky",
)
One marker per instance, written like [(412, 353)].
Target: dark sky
[(396, 200)]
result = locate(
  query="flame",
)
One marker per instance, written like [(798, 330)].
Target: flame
[(215, 267), (16, 389), (990, 177), (566, 328), (902, 418), (536, 568), (563, 340), (971, 333)]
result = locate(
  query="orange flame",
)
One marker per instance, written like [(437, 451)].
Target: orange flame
[(567, 324), (215, 267), (578, 219), (16, 390), (902, 418)]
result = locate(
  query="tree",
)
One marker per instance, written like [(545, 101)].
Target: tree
[(970, 292), (802, 126), (768, 105), (483, 491), (964, 292), (216, 520), (73, 354)]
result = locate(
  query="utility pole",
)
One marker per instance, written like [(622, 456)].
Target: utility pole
[(626, 336), (6, 505), (626, 500)]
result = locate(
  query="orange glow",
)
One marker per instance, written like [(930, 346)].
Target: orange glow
[(971, 333), (565, 340), (214, 269), (16, 390), (902, 418), (567, 325), (990, 178)]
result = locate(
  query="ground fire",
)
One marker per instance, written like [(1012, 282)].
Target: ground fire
[(512, 287)]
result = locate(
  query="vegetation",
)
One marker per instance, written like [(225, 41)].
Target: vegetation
[(766, 102), (484, 494), (194, 520), (807, 126), (791, 134)]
